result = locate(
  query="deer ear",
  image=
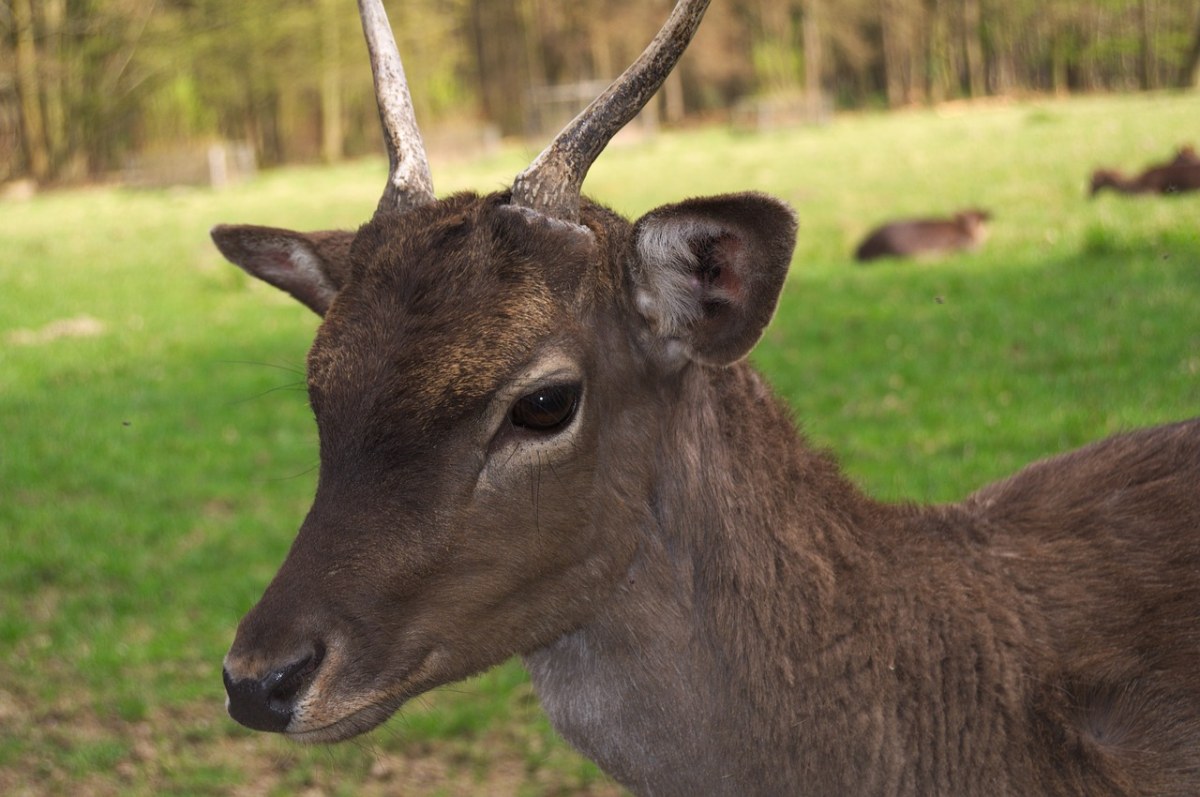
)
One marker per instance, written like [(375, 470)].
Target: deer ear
[(310, 266), (708, 272)]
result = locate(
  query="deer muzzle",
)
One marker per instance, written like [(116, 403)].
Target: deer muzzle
[(267, 702)]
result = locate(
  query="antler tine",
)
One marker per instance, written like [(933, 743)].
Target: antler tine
[(409, 181), (553, 182)]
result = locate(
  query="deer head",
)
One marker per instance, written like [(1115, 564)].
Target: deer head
[(486, 382)]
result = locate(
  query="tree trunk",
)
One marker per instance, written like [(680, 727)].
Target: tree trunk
[(1146, 76), (534, 61), (33, 127), (496, 25), (1191, 63), (973, 48), (810, 32), (937, 61), (1058, 65), (54, 84), (893, 52), (333, 137), (918, 43), (673, 107)]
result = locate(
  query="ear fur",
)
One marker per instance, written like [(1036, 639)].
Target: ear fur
[(310, 266), (708, 271)]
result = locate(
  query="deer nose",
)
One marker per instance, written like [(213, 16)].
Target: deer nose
[(267, 703)]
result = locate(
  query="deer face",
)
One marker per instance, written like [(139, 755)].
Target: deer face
[(487, 384), (454, 394)]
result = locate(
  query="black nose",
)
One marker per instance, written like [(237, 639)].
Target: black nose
[(266, 704)]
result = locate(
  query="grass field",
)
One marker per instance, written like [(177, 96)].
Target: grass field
[(157, 453)]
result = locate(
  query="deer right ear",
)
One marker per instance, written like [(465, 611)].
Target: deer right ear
[(708, 272), (310, 266)]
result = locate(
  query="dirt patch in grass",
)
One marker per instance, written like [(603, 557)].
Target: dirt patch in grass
[(69, 750), (83, 326)]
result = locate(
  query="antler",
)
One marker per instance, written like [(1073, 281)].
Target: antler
[(553, 182), (409, 181)]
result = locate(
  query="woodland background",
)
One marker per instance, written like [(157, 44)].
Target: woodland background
[(85, 85)]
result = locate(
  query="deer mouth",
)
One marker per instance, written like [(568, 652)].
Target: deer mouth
[(358, 722), (324, 717)]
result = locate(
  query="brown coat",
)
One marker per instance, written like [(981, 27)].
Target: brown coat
[(706, 604), (923, 237)]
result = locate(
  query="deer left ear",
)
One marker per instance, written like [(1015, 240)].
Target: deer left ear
[(708, 271)]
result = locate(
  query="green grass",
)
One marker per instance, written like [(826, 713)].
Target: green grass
[(155, 464)]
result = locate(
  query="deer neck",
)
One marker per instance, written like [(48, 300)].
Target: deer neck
[(701, 634)]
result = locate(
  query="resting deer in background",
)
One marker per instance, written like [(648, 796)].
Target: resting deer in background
[(925, 237), (539, 436), (1181, 173)]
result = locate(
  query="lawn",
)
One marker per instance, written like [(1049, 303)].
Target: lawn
[(157, 452)]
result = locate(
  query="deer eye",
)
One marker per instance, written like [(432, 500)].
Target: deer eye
[(546, 410)]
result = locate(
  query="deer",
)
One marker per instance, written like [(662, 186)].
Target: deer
[(1180, 174), (965, 230), (539, 436)]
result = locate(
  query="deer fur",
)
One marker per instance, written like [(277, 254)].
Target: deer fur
[(925, 237), (705, 604), (1184, 155), (1180, 174)]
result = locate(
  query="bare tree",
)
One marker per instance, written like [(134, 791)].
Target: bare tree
[(332, 135), (973, 48), (813, 62), (501, 68), (1191, 62), (33, 127)]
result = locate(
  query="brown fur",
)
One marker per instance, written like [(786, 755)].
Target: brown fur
[(922, 237), (1184, 155), (1181, 173), (706, 604)]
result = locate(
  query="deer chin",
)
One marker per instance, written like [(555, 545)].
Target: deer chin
[(356, 723), (325, 717)]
